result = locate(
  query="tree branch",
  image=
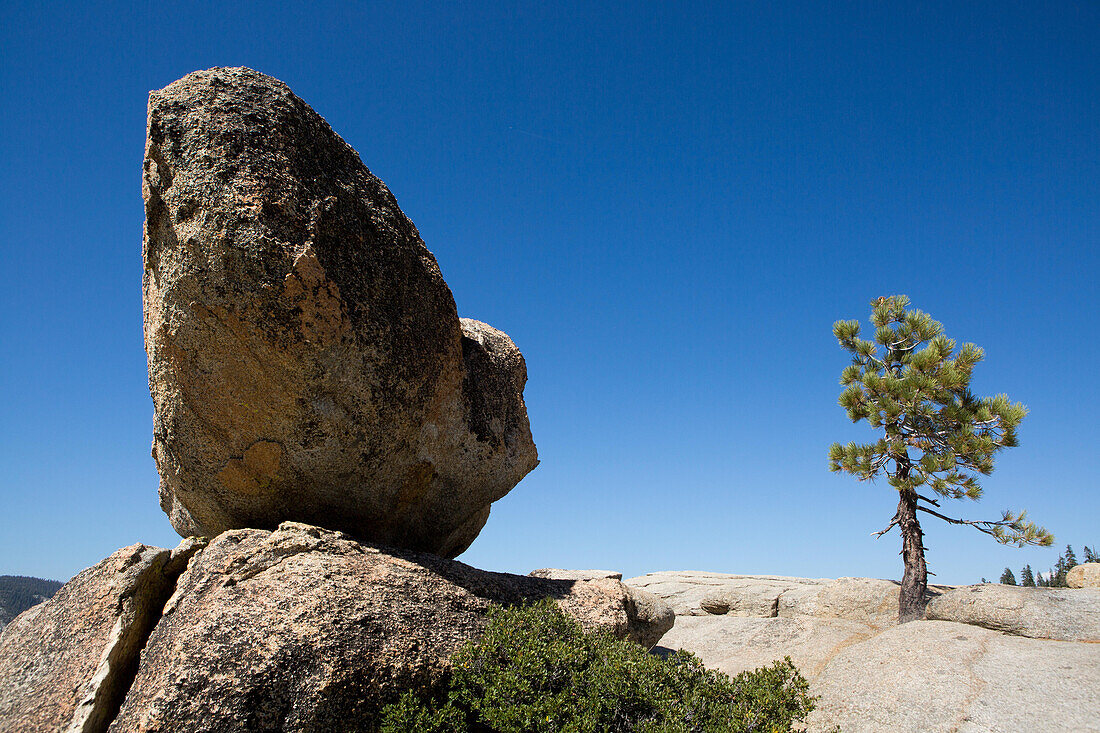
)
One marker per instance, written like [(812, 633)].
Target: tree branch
[(981, 526), (890, 526)]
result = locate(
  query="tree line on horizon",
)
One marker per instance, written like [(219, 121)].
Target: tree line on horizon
[(1055, 577), (20, 592)]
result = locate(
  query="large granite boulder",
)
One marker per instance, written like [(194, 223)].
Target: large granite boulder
[(940, 676), (299, 629), (1085, 575), (306, 359), (64, 662), (1041, 613)]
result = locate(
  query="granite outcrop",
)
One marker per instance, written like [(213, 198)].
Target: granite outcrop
[(978, 662), (300, 628)]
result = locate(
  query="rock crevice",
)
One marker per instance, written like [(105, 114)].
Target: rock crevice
[(300, 628), (69, 662)]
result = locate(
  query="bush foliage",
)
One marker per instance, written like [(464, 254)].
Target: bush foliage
[(535, 670)]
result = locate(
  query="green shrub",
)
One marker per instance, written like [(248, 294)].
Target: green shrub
[(534, 670)]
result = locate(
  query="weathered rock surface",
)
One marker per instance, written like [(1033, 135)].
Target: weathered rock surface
[(944, 676), (757, 599), (873, 675), (735, 644), (685, 591), (304, 629), (299, 629), (562, 574), (306, 359), (870, 601), (864, 600), (63, 663), (1085, 575), (1041, 613)]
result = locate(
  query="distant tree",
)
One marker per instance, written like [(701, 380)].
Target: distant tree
[(1007, 578), (1027, 578), (1065, 563), (935, 435), (1091, 556), (984, 581)]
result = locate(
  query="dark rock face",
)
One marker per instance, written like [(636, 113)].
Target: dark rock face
[(306, 359), (65, 663), (297, 629)]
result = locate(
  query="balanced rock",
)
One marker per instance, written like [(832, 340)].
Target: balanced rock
[(306, 359), (299, 629), (1086, 575)]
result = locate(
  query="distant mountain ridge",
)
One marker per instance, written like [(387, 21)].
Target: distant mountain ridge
[(19, 592)]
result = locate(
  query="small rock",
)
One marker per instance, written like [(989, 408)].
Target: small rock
[(686, 590), (1086, 575), (761, 602)]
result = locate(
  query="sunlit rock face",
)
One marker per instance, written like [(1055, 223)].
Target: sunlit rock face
[(306, 359)]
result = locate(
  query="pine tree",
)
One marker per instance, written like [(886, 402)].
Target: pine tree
[(1091, 556), (1007, 578), (1062, 567), (1027, 578), (906, 384)]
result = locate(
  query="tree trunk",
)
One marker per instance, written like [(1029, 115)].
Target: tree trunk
[(914, 584)]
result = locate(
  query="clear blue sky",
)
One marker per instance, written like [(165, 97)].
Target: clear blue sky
[(665, 205)]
